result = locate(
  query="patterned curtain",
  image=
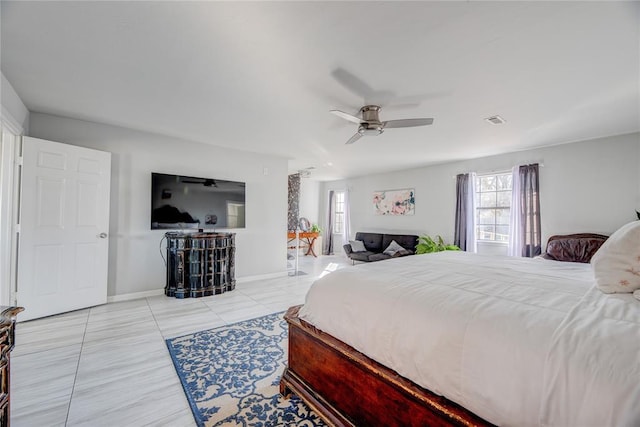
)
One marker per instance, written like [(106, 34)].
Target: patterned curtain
[(327, 247), (525, 236), (465, 230), (346, 229), (294, 202)]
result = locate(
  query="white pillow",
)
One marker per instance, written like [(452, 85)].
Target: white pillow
[(616, 265), (357, 246), (392, 248)]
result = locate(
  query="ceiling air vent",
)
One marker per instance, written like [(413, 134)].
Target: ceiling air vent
[(495, 120)]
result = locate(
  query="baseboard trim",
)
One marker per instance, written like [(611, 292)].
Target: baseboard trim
[(155, 292), (135, 295), (261, 277)]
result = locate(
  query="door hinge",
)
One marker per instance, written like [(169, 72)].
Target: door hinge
[(14, 297), (16, 228), (19, 160)]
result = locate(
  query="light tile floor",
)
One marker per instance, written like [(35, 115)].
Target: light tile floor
[(109, 365)]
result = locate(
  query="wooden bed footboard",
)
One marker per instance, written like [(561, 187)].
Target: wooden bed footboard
[(346, 388)]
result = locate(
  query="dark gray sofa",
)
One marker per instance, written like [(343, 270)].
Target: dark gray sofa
[(376, 243)]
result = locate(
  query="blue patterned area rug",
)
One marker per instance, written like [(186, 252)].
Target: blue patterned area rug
[(231, 374)]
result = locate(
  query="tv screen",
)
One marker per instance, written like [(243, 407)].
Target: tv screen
[(186, 202)]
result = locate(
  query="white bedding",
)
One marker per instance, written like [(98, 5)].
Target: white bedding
[(510, 339)]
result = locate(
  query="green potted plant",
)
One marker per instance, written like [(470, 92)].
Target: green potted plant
[(427, 244), (315, 229)]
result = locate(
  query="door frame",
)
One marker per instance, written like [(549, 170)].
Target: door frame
[(10, 170)]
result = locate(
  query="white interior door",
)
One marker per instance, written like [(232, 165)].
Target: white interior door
[(64, 220)]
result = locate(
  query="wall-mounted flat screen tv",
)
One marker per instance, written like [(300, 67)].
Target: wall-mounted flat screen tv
[(185, 202)]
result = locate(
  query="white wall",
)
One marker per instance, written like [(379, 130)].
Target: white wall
[(13, 109), (135, 264), (587, 186), (309, 204), (310, 200)]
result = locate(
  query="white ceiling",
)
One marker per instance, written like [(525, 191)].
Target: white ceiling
[(262, 76)]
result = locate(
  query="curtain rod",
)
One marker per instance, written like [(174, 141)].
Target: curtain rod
[(541, 164)]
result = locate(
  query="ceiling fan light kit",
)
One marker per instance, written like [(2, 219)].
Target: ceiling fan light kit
[(369, 129), (370, 124)]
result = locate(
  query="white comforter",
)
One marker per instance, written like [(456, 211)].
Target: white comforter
[(517, 341)]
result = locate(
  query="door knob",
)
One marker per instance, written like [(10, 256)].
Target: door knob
[(102, 235)]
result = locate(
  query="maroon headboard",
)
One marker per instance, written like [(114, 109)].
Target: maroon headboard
[(574, 247)]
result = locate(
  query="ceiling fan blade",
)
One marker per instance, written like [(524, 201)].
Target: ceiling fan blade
[(356, 85), (346, 116), (407, 123), (360, 88), (354, 138)]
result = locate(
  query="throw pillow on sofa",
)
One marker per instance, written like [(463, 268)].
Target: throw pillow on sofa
[(393, 248), (357, 246)]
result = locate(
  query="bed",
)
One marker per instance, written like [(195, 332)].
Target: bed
[(462, 339)]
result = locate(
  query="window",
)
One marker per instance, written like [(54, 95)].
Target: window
[(338, 213), (493, 207)]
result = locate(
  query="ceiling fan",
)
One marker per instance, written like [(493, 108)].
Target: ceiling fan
[(370, 124)]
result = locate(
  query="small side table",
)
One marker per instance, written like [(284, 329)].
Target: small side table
[(308, 238)]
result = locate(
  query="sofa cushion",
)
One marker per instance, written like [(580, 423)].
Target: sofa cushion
[(372, 241), (407, 241), (361, 256), (379, 257)]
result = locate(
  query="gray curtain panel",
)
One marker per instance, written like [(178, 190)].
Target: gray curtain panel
[(530, 210), (327, 247), (462, 210), (294, 202)]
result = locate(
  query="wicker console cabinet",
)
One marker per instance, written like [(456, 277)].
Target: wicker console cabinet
[(200, 264)]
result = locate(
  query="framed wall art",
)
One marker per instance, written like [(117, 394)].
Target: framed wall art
[(394, 202)]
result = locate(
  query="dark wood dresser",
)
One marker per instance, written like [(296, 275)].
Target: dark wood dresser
[(200, 264), (7, 339)]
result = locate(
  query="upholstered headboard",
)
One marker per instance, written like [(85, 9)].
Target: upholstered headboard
[(573, 247)]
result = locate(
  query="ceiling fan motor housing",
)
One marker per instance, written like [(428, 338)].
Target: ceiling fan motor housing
[(370, 113), (373, 126)]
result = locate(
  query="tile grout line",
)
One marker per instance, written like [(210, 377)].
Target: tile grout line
[(75, 377), (214, 313), (155, 320), (196, 302)]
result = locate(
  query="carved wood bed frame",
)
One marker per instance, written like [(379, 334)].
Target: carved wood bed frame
[(346, 388)]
